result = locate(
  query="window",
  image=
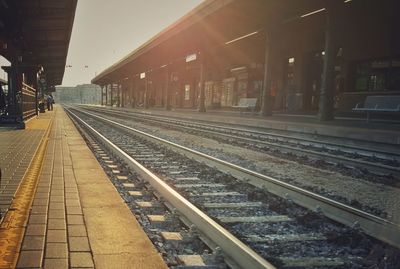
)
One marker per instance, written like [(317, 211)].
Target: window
[(290, 72), (187, 92), (378, 75)]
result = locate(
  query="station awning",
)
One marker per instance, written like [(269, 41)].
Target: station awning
[(216, 20), (37, 33), (197, 14)]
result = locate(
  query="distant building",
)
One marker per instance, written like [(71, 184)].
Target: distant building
[(80, 94)]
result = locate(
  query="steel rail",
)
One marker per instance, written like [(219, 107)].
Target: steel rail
[(362, 150), (234, 249), (328, 157), (372, 225)]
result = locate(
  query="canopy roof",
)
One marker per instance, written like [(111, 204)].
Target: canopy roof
[(210, 23), (36, 33)]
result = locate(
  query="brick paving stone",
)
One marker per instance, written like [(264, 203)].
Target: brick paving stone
[(56, 236), (57, 214), (30, 259), (76, 230), (72, 196), (78, 244), (38, 219), (75, 219), (36, 229), (33, 242), (74, 210), (40, 201), (42, 195), (81, 259), (73, 202), (55, 205), (71, 190), (57, 192), (57, 186), (39, 209), (56, 198), (57, 224), (44, 184), (56, 263), (56, 250)]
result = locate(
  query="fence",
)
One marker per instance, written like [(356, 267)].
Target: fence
[(29, 105)]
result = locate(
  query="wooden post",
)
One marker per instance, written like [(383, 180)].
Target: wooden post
[(202, 105), (266, 102), (325, 112)]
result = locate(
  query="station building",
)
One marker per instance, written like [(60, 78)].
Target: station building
[(80, 94), (305, 56)]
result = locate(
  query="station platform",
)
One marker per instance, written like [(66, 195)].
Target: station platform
[(65, 212), (381, 131)]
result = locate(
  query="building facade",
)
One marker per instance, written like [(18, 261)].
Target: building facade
[(80, 94)]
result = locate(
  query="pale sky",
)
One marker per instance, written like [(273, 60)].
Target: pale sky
[(105, 31)]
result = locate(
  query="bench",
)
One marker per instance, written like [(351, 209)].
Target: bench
[(379, 104), (246, 104)]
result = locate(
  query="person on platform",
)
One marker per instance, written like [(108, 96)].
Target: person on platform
[(46, 99), (50, 102)]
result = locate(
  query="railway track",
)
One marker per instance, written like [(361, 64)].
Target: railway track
[(381, 162), (262, 221)]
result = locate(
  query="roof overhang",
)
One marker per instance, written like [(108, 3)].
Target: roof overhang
[(198, 13), (217, 20), (37, 33)]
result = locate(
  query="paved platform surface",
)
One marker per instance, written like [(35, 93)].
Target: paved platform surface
[(17, 148), (356, 128), (77, 218)]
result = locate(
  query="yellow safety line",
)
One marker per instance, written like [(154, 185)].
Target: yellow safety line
[(13, 227)]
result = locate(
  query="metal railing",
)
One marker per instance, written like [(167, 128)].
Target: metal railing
[(29, 105)]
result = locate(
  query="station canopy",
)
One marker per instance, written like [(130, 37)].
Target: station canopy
[(36, 33), (211, 23)]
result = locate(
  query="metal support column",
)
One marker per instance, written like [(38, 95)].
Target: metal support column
[(102, 94), (266, 102), (327, 88), (123, 94), (202, 99), (132, 94), (146, 89), (167, 104), (111, 94), (14, 95), (37, 102), (106, 95), (119, 94)]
